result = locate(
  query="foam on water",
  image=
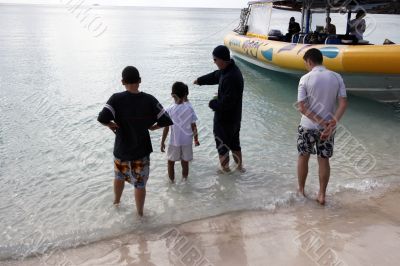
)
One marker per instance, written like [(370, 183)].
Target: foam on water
[(56, 160)]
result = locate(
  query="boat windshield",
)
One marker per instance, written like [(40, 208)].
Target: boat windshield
[(259, 19)]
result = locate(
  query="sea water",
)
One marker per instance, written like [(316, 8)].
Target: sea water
[(56, 168)]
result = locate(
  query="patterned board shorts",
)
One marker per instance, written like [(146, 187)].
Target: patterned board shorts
[(134, 172), (307, 139)]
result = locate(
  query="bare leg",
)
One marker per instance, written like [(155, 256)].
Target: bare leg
[(302, 171), (237, 156), (140, 195), (185, 169), (324, 173), (224, 161), (171, 170), (118, 188)]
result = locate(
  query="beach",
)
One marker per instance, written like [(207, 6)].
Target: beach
[(56, 168), (352, 232)]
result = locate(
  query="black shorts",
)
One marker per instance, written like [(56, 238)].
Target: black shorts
[(227, 137)]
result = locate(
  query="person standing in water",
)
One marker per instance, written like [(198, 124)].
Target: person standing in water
[(227, 106), (183, 131), (319, 93), (129, 115)]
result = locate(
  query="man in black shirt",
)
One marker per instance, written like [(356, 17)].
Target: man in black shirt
[(293, 29), (227, 106), (129, 115)]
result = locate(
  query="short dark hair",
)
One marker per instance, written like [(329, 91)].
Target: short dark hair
[(180, 89), (130, 75), (360, 13), (222, 52), (314, 55)]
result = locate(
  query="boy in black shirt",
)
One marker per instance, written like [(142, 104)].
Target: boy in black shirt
[(129, 115)]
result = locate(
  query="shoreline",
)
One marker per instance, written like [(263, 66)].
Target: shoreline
[(349, 232)]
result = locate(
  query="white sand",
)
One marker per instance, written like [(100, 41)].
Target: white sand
[(352, 232)]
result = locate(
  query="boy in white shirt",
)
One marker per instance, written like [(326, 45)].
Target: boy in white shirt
[(183, 131)]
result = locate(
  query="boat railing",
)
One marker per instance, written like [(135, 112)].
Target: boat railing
[(300, 38), (322, 38), (332, 39), (295, 38)]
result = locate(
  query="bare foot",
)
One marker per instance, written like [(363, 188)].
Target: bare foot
[(224, 170), (321, 199), (300, 192), (184, 178), (116, 204), (241, 169)]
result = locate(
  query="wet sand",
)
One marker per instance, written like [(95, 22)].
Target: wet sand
[(349, 231)]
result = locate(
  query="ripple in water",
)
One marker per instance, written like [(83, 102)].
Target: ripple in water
[(56, 160)]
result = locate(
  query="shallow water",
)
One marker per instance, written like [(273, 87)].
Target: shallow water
[(56, 160)]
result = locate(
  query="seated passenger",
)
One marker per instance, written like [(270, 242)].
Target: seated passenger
[(294, 28), (357, 25), (313, 38), (329, 28)]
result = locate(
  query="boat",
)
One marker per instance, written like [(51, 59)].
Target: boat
[(368, 70)]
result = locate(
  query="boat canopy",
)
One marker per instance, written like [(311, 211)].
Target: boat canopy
[(370, 6)]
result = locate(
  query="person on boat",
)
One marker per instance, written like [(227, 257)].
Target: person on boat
[(329, 27), (129, 115), (227, 106), (358, 26), (319, 92), (293, 29)]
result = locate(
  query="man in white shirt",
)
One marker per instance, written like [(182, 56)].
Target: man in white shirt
[(358, 26), (319, 93)]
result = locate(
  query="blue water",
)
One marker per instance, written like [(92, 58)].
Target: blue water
[(56, 167)]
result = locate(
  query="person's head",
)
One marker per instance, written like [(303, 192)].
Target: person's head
[(328, 20), (180, 91), (130, 76), (221, 56), (360, 14), (313, 57), (292, 19)]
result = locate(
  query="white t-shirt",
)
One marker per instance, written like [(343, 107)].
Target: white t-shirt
[(320, 89), (183, 116), (357, 28)]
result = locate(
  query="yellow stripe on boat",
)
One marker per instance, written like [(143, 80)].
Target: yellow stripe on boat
[(377, 59), (260, 36)]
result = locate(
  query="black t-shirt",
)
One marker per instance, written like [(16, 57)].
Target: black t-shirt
[(228, 106), (294, 28), (134, 114)]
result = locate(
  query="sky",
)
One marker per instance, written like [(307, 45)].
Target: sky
[(164, 3)]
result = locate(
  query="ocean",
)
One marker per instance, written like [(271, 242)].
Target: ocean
[(58, 67)]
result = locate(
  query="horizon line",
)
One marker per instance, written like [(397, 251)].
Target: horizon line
[(99, 5)]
